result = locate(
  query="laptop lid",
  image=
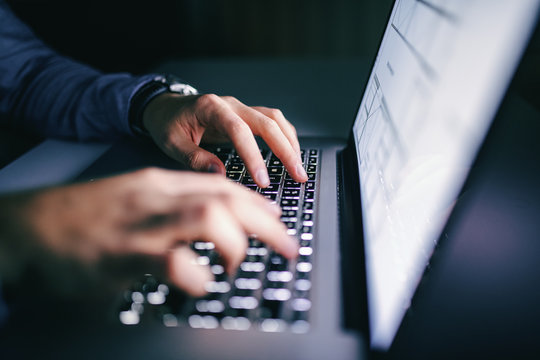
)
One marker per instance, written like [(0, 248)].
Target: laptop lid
[(439, 76)]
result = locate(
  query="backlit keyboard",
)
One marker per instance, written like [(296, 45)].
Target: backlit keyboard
[(268, 292)]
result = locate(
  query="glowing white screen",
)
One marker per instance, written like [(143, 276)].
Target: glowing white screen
[(440, 74)]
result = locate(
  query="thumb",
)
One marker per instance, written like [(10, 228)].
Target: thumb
[(188, 153), (186, 273)]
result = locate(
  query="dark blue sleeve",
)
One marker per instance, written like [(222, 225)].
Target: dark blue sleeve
[(54, 96)]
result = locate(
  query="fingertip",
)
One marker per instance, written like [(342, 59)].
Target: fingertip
[(301, 173), (261, 177), (290, 248), (216, 168), (187, 273)]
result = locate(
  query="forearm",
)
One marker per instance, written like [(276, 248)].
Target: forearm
[(53, 96)]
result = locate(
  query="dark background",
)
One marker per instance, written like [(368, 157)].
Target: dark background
[(120, 35)]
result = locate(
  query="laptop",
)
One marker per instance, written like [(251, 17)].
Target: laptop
[(371, 215)]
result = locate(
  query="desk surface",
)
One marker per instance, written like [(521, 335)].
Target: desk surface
[(301, 88)]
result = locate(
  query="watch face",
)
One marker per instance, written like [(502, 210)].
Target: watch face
[(183, 89)]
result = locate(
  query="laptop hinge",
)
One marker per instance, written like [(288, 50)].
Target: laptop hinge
[(355, 315)]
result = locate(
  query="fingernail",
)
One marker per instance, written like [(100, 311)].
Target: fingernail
[(261, 176), (300, 172), (214, 168)]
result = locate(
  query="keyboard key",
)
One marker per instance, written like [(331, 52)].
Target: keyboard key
[(247, 284), (279, 276), (235, 168), (275, 179), (270, 188), (313, 152), (291, 184), (275, 170), (289, 203), (277, 294), (309, 195), (290, 193), (273, 325), (311, 168), (241, 302), (310, 185), (235, 176), (271, 196), (275, 162)]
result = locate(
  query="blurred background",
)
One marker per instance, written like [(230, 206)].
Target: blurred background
[(134, 36)]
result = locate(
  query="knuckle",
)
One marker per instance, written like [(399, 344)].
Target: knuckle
[(149, 174), (207, 100), (275, 113), (238, 126), (230, 99), (269, 124)]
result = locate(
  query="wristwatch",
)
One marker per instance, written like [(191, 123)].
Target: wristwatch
[(157, 86)]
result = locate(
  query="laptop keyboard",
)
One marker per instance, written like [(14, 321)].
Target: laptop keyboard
[(268, 292)]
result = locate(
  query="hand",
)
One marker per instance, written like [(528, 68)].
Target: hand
[(100, 230), (179, 123)]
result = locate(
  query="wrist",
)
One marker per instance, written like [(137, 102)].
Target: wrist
[(147, 93)]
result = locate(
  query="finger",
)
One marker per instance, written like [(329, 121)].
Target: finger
[(183, 149), (272, 134), (227, 121), (186, 273), (285, 126), (256, 220)]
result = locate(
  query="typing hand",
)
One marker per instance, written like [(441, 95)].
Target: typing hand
[(121, 227), (178, 124)]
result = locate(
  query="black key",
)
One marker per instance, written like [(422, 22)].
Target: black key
[(308, 205), (271, 309), (310, 185), (255, 243), (300, 315), (288, 213), (275, 170), (307, 217), (252, 187), (302, 152), (290, 224), (311, 176), (313, 152), (275, 162), (294, 193), (306, 229), (291, 184), (235, 168), (248, 180), (275, 179), (312, 161), (309, 195), (235, 176), (289, 202), (236, 160), (277, 262), (311, 168), (270, 188), (271, 196), (305, 243)]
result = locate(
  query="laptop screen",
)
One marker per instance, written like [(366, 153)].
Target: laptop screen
[(439, 76)]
